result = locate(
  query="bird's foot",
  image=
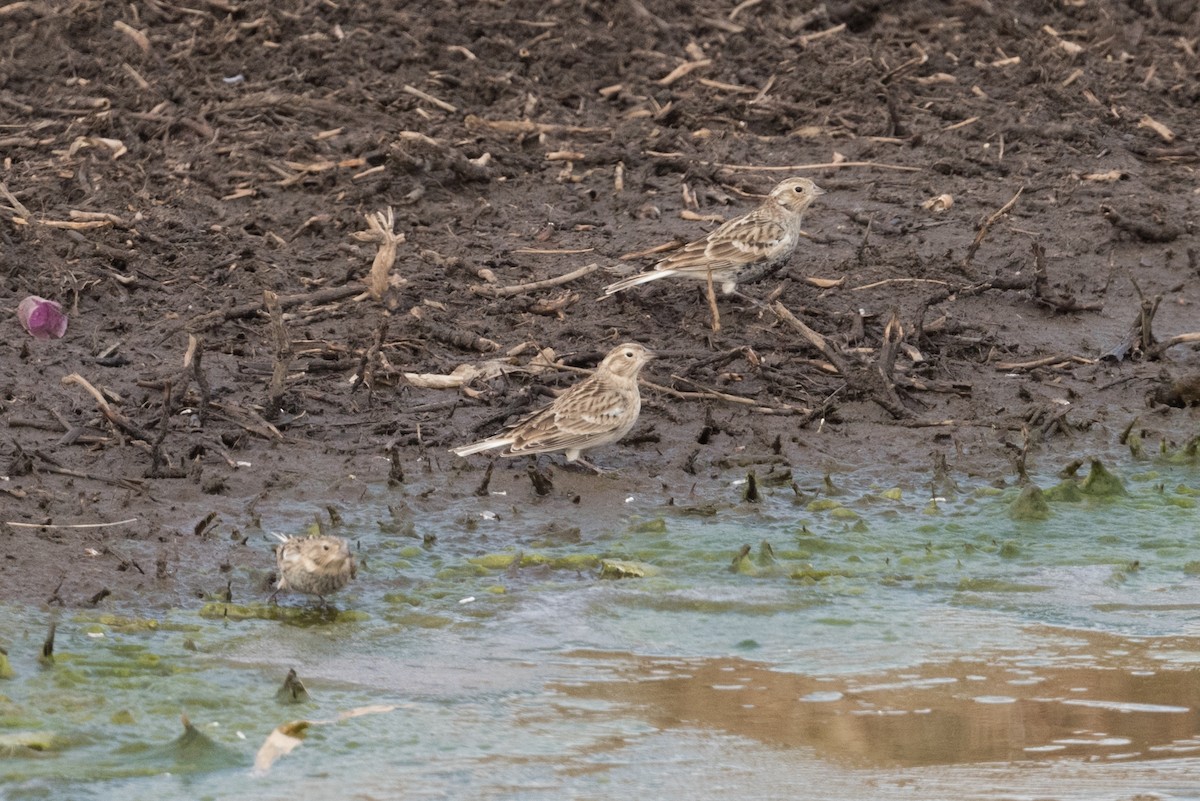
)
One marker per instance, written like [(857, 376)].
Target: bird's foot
[(600, 471)]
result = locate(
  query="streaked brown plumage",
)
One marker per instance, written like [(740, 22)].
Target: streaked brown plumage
[(743, 249), (314, 565), (597, 411)]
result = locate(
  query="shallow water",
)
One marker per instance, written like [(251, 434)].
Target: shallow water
[(884, 646)]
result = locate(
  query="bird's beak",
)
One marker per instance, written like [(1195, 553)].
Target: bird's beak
[(817, 190)]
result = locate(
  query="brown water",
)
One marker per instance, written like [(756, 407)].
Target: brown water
[(1101, 698)]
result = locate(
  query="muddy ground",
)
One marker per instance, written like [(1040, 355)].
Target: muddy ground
[(166, 164)]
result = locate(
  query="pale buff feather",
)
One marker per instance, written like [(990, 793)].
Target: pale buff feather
[(314, 565), (743, 249), (597, 411)]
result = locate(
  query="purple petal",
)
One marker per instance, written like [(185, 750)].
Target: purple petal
[(42, 318)]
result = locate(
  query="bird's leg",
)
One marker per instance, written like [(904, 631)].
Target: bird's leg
[(271, 599), (600, 471), (711, 294), (753, 301)]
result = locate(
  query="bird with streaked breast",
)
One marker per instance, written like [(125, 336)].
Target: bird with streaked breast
[(598, 411), (741, 250)]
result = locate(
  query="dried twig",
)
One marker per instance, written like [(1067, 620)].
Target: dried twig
[(1041, 287), (816, 340), (532, 286), (13, 203), (832, 165), (682, 70), (706, 393), (116, 481), (1058, 359), (1140, 338), (554, 307), (137, 37), (875, 381), (528, 127), (1179, 339), (282, 352), (191, 360), (987, 225), (380, 224), (112, 415), (887, 281), (71, 525), (812, 37), (247, 419), (156, 448), (460, 337), (1146, 231), (321, 296), (552, 251), (365, 375), (428, 98)]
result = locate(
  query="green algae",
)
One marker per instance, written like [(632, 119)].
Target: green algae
[(822, 505), (292, 614), (29, 743), (982, 584), (1031, 504), (482, 565), (1101, 483), (623, 569), (655, 525)]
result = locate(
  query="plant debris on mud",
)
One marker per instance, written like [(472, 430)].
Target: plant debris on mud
[(305, 248)]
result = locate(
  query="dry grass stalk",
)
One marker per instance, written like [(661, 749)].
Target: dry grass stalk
[(517, 289), (682, 70), (523, 127), (428, 98), (813, 37), (380, 232), (987, 225), (140, 39), (1149, 122), (282, 352), (1045, 361), (112, 415), (786, 167)]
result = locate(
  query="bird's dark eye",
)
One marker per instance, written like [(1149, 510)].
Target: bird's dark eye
[(800, 189)]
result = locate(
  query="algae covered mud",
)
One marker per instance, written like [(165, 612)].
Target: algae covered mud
[(977, 644)]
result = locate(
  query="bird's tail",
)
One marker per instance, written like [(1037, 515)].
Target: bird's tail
[(482, 445), (635, 280)]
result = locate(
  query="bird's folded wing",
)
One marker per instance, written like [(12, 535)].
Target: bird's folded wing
[(740, 241), (754, 237), (574, 425)]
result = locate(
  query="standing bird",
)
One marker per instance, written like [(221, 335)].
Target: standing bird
[(597, 411), (745, 248), (313, 565)]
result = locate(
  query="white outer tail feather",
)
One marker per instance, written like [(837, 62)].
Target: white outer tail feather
[(482, 445), (635, 280)]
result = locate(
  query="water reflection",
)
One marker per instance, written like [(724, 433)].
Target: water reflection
[(1098, 697)]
